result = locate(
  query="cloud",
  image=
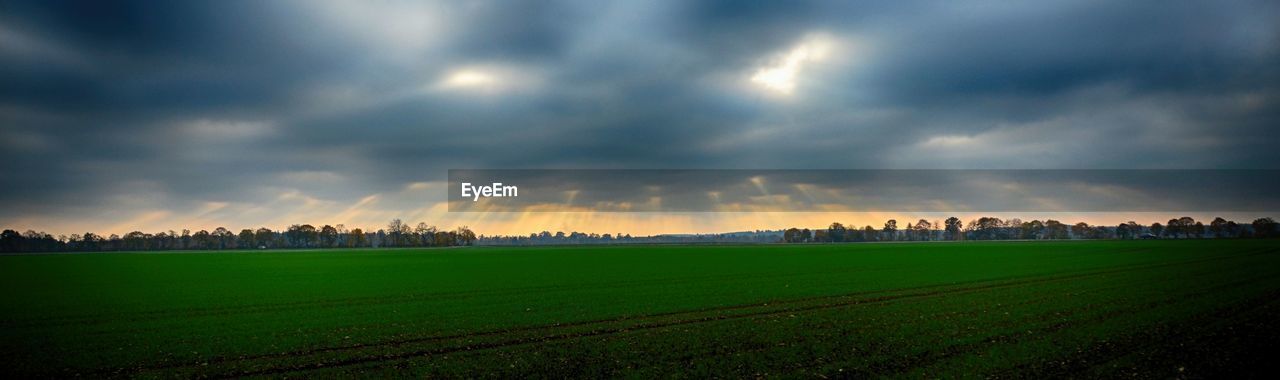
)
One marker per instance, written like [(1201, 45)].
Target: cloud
[(205, 129), (30, 49), (237, 102), (781, 75), (487, 80)]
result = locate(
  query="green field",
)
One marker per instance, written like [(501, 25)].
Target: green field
[(1007, 309)]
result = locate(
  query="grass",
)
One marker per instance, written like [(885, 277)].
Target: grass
[(1006, 309)]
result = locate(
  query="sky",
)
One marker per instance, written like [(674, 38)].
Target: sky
[(155, 116)]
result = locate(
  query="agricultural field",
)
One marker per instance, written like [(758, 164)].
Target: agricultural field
[(1151, 309)]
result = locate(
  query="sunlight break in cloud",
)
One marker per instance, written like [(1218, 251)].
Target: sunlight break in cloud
[(469, 78), (783, 72), (486, 79)]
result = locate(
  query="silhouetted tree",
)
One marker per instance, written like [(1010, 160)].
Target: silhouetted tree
[(1218, 227), (891, 230), (264, 237), (923, 230), (837, 233), (357, 238), (244, 239), (1187, 226), (1080, 230), (202, 240), (465, 236), (1233, 229), (1055, 230), (1264, 228), (1123, 231), (223, 238), (396, 231), (426, 234), (328, 236), (953, 226)]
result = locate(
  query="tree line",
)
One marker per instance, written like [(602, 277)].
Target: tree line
[(992, 228), (397, 234), (400, 234), (574, 238)]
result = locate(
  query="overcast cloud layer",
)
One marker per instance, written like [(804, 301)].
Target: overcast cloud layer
[(157, 115)]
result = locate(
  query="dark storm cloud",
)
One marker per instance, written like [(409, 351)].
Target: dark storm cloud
[(186, 56), (1049, 48), (168, 104), (710, 190)]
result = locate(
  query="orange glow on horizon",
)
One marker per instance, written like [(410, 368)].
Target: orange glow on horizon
[(635, 224)]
